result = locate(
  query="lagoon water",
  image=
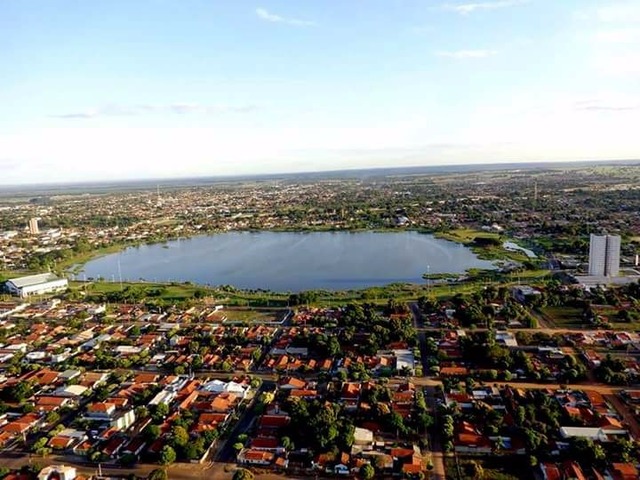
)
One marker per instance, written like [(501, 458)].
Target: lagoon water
[(290, 261)]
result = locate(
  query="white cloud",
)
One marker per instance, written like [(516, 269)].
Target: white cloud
[(175, 108), (608, 102), (467, 8), (620, 13), (273, 18), (618, 35), (461, 54), (623, 64)]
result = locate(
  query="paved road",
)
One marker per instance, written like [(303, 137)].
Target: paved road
[(418, 324), (627, 415), (180, 471), (435, 445), (226, 453), (176, 472)]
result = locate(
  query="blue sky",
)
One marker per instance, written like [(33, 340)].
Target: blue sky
[(116, 89)]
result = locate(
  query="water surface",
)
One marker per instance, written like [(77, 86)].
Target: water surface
[(290, 261)]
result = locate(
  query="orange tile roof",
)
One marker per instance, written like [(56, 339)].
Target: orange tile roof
[(624, 471)]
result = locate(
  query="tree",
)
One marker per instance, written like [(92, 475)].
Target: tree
[(243, 474), (473, 470), (21, 391), (160, 412), (152, 432), (39, 444), (52, 417), (167, 455), (128, 459), (395, 423), (158, 474), (286, 443), (367, 472), (238, 446), (195, 449), (179, 436)]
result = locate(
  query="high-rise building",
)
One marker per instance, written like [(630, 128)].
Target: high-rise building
[(612, 257), (33, 226), (604, 255)]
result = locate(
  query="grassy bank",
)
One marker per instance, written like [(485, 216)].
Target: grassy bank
[(489, 251), (75, 263)]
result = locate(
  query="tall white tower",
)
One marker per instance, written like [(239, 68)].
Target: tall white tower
[(612, 257), (33, 226), (604, 255)]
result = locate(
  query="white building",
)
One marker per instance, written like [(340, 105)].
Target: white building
[(604, 255), (57, 471), (33, 226), (36, 284), (218, 386)]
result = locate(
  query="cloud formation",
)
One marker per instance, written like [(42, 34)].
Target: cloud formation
[(462, 54), (610, 105), (624, 35), (273, 18), (467, 8), (174, 108)]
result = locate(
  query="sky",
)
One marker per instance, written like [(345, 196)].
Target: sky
[(121, 89)]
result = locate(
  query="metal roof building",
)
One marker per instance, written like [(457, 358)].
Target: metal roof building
[(36, 284)]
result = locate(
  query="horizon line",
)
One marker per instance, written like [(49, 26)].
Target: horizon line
[(241, 176)]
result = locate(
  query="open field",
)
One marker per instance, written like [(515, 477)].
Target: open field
[(499, 468), (253, 315), (465, 235), (564, 317)]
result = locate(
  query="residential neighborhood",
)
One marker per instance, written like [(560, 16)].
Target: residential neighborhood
[(404, 390)]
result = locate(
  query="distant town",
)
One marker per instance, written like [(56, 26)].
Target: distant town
[(528, 370)]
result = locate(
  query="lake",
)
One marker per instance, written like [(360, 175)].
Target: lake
[(290, 261)]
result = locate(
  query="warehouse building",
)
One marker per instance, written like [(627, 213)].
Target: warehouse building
[(36, 285)]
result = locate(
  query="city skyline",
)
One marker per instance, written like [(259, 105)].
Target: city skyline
[(204, 88)]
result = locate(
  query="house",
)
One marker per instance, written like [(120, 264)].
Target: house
[(21, 425), (624, 471), (594, 433), (524, 293), (101, 411), (113, 446), (218, 386), (573, 471), (124, 420), (249, 456), (469, 440), (404, 360), (49, 404), (267, 443), (550, 471), (58, 472), (135, 446), (362, 437), (66, 439), (350, 391), (290, 383), (71, 391), (60, 442)]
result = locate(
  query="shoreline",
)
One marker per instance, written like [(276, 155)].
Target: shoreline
[(75, 264)]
